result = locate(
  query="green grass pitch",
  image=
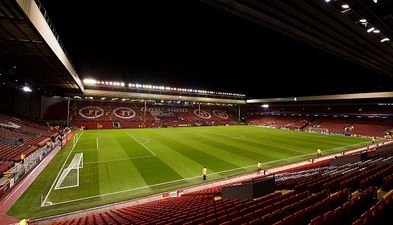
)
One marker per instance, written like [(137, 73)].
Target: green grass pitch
[(121, 164)]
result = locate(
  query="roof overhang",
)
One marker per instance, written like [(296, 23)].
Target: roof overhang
[(149, 96), (28, 44), (319, 24), (356, 96)]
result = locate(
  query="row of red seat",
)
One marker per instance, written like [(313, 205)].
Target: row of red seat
[(101, 114), (14, 152), (20, 137), (377, 213), (359, 126), (5, 166)]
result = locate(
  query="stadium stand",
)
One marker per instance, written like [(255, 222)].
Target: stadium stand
[(101, 114), (370, 121), (20, 136), (5, 166), (321, 194)]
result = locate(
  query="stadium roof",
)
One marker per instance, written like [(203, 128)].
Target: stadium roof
[(30, 51), (192, 45), (338, 97), (360, 31)]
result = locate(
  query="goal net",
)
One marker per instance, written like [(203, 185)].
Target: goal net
[(70, 176), (318, 130)]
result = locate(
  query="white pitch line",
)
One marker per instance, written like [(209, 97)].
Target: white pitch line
[(142, 145), (147, 140), (185, 179), (97, 142), (121, 159), (61, 169)]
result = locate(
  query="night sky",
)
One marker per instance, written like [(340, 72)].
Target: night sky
[(190, 44)]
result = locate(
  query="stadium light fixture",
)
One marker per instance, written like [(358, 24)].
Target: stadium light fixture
[(345, 6), (327, 1), (370, 29), (103, 98), (26, 89), (265, 106), (385, 40), (89, 81), (376, 31), (363, 20)]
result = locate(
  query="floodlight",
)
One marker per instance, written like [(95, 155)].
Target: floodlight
[(371, 29), (89, 81), (26, 89), (345, 6)]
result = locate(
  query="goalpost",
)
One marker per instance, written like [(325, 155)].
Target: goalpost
[(318, 130), (70, 176), (74, 140)]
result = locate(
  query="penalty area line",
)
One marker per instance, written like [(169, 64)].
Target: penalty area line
[(61, 169), (143, 145)]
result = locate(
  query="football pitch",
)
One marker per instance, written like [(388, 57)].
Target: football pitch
[(126, 163)]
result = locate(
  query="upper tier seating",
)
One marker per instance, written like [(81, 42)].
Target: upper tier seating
[(100, 114)]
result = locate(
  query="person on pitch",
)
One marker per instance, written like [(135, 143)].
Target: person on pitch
[(204, 173), (259, 167)]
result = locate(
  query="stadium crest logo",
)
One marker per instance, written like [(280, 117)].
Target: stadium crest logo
[(124, 112), (221, 114), (91, 112), (202, 113)]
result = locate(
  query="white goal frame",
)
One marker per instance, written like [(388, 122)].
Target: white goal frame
[(75, 140), (318, 130), (73, 167)]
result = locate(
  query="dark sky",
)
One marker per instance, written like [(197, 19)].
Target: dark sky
[(190, 44)]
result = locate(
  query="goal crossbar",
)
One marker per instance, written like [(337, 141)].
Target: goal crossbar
[(318, 130)]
